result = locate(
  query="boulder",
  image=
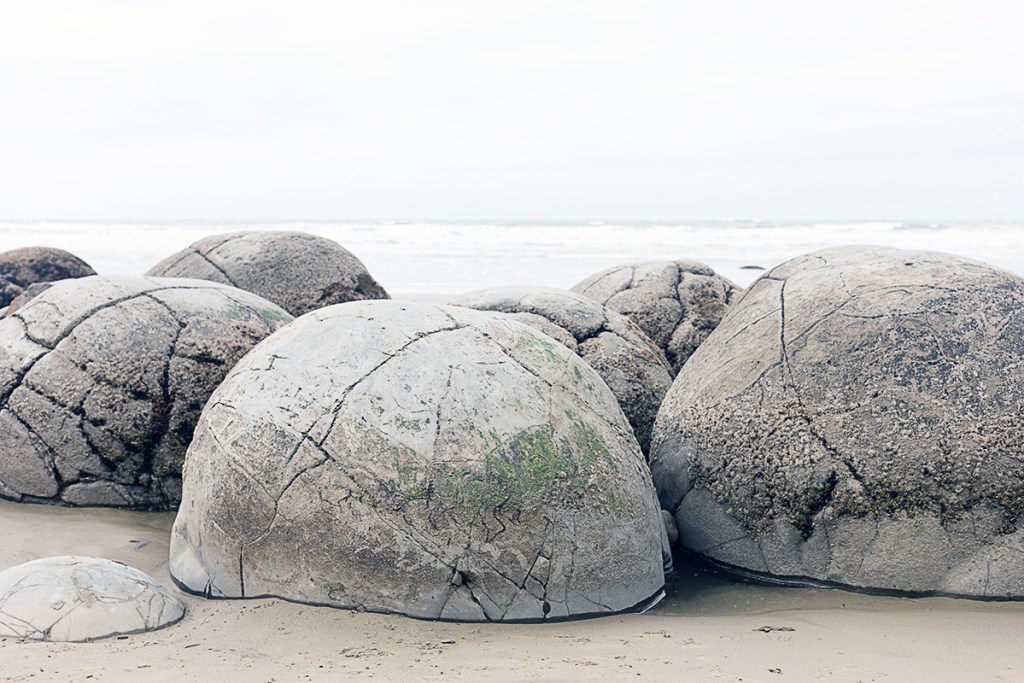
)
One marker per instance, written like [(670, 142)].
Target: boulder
[(855, 419), (297, 271), (102, 380), (74, 599), (26, 295), (629, 363), (676, 303), (20, 268), (426, 460)]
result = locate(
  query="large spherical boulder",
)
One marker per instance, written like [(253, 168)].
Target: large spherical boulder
[(20, 268), (432, 461), (73, 599), (629, 363), (295, 270), (102, 380), (676, 303), (856, 419)]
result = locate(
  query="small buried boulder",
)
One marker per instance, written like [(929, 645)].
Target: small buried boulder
[(20, 268), (74, 599), (426, 460), (102, 380), (297, 271), (676, 303), (629, 363), (856, 420)]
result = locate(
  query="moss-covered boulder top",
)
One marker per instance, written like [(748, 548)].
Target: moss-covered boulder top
[(856, 418), (427, 460), (102, 380), (297, 271), (676, 303), (627, 360), (20, 268)]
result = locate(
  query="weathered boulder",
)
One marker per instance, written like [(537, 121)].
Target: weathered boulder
[(432, 461), (856, 419), (297, 271), (20, 268), (676, 303), (26, 295), (102, 380), (73, 599), (629, 363)]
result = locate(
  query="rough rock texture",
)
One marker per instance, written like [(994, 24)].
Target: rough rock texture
[(102, 380), (297, 271), (629, 363), (72, 599), (856, 419), (20, 268), (26, 295), (676, 303), (433, 461)]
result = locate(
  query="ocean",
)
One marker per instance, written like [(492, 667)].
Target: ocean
[(449, 257)]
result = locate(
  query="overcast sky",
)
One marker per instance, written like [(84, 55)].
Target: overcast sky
[(351, 109)]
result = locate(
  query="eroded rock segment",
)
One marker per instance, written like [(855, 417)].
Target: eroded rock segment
[(629, 363), (102, 380), (295, 270), (676, 303), (20, 268), (73, 599), (856, 418), (433, 461)]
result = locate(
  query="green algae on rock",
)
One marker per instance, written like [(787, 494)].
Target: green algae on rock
[(432, 461)]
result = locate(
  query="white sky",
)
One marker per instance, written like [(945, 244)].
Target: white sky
[(352, 109)]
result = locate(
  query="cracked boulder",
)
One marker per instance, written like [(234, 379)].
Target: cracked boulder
[(297, 271), (676, 303), (856, 420), (629, 363), (75, 599), (432, 461), (102, 380), (20, 268)]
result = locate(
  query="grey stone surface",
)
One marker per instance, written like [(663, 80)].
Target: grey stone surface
[(629, 363), (856, 419), (74, 599), (20, 268), (24, 296), (297, 271), (102, 380), (432, 461), (676, 303)]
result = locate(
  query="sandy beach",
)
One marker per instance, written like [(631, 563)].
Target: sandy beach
[(707, 629)]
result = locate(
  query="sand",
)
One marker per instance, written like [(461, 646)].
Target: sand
[(709, 629)]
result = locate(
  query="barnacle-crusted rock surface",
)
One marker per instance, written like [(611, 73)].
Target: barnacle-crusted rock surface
[(72, 599), (297, 271), (20, 268), (433, 461), (629, 363), (102, 380), (856, 419), (676, 303)]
